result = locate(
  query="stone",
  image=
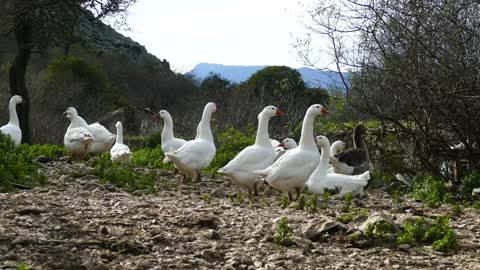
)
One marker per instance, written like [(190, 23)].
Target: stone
[(218, 193), (316, 228), (374, 218), (476, 193)]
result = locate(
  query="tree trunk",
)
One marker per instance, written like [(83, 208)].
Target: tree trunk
[(23, 36)]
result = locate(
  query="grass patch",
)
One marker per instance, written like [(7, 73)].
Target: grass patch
[(150, 157), (16, 167), (123, 175), (50, 151)]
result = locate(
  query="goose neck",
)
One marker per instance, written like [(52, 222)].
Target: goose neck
[(262, 131), (203, 129), (12, 111), (119, 135), (324, 159), (306, 138), (167, 133)]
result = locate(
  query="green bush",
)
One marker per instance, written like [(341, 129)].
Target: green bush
[(353, 213), (150, 157), (413, 233), (379, 229), (16, 167), (470, 182), (153, 140), (123, 175), (440, 235), (92, 75), (431, 190), (230, 143), (50, 151)]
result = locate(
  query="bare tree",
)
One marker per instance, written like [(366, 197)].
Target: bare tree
[(414, 68)]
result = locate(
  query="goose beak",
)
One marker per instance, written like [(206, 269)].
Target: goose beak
[(216, 108), (156, 115), (279, 113), (281, 145), (64, 114), (324, 111), (315, 139)]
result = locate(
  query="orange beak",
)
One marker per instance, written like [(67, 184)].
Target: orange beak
[(156, 115), (324, 111), (279, 113), (281, 145)]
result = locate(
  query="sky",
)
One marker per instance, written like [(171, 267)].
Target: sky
[(229, 32)]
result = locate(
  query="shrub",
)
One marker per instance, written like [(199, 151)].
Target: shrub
[(413, 233), (150, 157), (476, 205), (153, 140), (16, 168), (470, 182), (50, 151), (230, 142), (123, 175), (284, 233), (312, 204), (440, 235), (431, 190), (347, 202)]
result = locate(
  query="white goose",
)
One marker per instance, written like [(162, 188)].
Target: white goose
[(102, 138), (196, 154), (169, 142), (12, 129), (254, 157), (285, 145), (77, 139), (335, 165), (321, 179), (120, 152), (290, 172)]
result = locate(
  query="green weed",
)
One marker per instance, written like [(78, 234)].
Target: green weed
[(284, 233), (431, 190)]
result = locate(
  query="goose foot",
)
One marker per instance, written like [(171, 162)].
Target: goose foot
[(175, 170), (290, 196), (298, 192), (184, 178), (199, 177), (255, 189)]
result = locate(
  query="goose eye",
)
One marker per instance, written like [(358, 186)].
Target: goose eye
[(318, 107)]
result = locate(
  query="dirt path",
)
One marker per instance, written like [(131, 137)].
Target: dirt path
[(78, 223)]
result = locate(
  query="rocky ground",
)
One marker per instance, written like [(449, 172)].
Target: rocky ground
[(75, 222)]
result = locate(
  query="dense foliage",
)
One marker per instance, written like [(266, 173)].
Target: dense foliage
[(17, 166)]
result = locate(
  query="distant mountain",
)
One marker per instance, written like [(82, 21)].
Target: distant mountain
[(238, 74)]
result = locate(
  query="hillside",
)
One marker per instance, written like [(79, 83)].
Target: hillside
[(238, 74)]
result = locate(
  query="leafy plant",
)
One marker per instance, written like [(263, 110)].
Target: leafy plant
[(469, 183), (397, 196), (312, 204), (206, 198), (379, 229), (284, 201), (23, 266), (353, 213), (16, 168), (440, 235), (476, 205), (154, 140), (347, 203), (413, 233), (284, 233), (430, 189), (123, 175), (50, 151), (150, 157), (301, 202)]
